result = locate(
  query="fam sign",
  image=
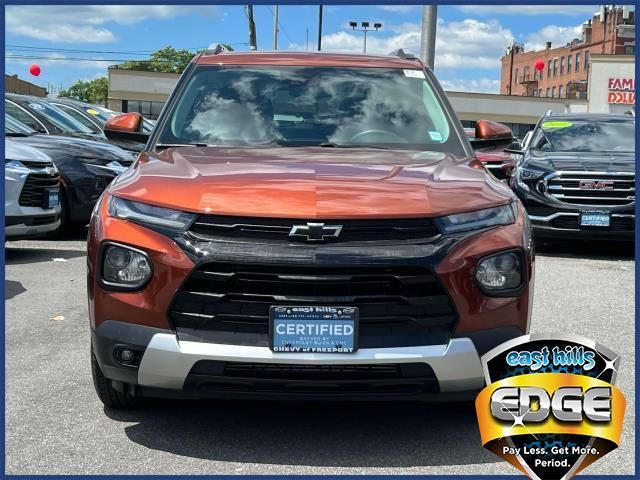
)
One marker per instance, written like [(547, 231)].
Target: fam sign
[(622, 90)]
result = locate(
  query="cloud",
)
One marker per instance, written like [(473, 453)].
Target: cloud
[(558, 36), (466, 44), (566, 10), (479, 85), (58, 60), (398, 8), (84, 23)]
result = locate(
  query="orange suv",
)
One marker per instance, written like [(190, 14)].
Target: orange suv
[(304, 225)]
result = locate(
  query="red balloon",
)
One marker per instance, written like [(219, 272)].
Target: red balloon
[(34, 70), (539, 65)]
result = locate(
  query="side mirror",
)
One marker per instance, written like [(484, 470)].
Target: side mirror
[(126, 127), (490, 135), (515, 148)]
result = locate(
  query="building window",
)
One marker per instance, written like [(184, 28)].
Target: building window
[(540, 92), (553, 92), (549, 69), (586, 60), (147, 109), (577, 62), (562, 66), (560, 91), (555, 67), (547, 92), (517, 79), (569, 64), (629, 50)]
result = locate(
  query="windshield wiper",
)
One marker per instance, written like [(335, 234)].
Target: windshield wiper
[(178, 145), (17, 134), (346, 145)]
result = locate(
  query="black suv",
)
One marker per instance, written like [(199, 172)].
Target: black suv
[(576, 177)]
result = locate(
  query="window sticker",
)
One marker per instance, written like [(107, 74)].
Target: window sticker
[(92, 111), (414, 73), (36, 106), (557, 124), (435, 135)]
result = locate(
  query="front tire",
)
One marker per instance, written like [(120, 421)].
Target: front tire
[(108, 395)]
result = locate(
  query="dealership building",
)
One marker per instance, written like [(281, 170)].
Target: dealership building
[(609, 88)]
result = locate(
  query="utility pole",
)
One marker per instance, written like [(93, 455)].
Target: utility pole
[(253, 44), (428, 36), (365, 28), (307, 39), (320, 28), (275, 28)]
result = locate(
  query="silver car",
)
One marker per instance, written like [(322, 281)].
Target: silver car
[(32, 192)]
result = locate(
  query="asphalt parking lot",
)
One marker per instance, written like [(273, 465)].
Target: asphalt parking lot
[(55, 423)]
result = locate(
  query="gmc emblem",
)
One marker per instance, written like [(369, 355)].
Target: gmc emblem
[(595, 185), (316, 232)]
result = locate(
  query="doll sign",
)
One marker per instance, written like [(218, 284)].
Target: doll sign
[(622, 90)]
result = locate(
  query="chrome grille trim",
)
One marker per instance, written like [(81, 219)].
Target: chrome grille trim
[(561, 187)]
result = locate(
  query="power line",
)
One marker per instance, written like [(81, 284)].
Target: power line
[(118, 52), (39, 57)]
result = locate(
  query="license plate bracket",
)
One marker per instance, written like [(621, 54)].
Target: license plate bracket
[(595, 219), (313, 329)]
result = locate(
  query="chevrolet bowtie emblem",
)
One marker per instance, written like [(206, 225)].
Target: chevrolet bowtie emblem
[(315, 232)]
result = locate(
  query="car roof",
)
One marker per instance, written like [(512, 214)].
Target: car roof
[(591, 116), (308, 59)]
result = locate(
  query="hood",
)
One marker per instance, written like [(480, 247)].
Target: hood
[(18, 151), (76, 147), (581, 161), (310, 182)]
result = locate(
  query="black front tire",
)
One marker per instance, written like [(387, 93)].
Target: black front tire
[(108, 395)]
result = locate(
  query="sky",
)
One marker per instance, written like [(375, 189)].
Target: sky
[(79, 42)]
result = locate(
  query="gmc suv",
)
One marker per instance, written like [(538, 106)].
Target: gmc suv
[(304, 226)]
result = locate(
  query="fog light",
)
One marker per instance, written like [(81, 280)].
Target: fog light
[(500, 272), (126, 356), (125, 267)]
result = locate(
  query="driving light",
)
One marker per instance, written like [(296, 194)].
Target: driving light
[(489, 217), (525, 177), (502, 272), (125, 267), (149, 214)]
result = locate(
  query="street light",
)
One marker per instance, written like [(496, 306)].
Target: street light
[(366, 29)]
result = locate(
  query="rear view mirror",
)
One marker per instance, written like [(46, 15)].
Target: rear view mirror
[(126, 127)]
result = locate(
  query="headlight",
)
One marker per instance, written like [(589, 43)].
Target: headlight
[(526, 177), (500, 274), (113, 166), (148, 214), (125, 267), (14, 165), (489, 217)]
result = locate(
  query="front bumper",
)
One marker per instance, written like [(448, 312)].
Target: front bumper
[(564, 225)]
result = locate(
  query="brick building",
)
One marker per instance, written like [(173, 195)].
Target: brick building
[(566, 68)]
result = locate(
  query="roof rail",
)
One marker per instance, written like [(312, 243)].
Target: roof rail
[(630, 112), (402, 54), (549, 112)]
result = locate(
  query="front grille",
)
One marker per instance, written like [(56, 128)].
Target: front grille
[(276, 230), (290, 379), (34, 189), (618, 224), (36, 165), (398, 306), (596, 189)]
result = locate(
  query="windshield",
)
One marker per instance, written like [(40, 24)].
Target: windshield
[(13, 126), (296, 106), (56, 116), (585, 136), (79, 117)]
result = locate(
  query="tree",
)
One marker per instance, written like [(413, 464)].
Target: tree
[(167, 59), (93, 91)]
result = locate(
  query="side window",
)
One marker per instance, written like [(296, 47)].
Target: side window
[(77, 116), (16, 112)]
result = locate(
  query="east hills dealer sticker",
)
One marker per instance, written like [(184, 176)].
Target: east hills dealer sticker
[(550, 407)]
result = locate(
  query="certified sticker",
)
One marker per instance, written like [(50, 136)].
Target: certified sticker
[(92, 111), (435, 135), (550, 407)]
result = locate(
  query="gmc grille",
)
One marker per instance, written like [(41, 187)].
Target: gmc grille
[(229, 303), (594, 189), (36, 184), (274, 230)]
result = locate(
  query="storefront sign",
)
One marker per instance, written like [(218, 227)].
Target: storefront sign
[(622, 90)]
